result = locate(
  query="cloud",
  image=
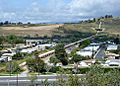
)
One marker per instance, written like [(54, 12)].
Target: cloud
[(60, 10), (94, 7)]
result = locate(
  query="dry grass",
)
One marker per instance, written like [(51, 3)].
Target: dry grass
[(32, 31), (81, 27), (48, 30), (112, 26), (112, 29)]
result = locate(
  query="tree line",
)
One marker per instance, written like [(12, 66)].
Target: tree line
[(97, 19), (96, 76), (12, 23), (10, 39)]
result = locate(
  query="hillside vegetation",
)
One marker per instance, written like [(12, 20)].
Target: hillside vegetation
[(111, 25), (28, 30)]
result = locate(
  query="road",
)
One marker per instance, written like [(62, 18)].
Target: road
[(100, 53), (24, 81), (68, 47), (77, 42), (27, 83)]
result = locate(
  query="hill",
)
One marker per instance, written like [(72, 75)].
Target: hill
[(111, 25), (29, 30)]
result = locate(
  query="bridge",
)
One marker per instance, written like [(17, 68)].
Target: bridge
[(52, 52)]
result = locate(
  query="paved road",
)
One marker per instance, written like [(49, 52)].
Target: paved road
[(24, 81), (26, 78), (68, 47), (100, 54)]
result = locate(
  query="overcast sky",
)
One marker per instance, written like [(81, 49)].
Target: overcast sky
[(56, 10)]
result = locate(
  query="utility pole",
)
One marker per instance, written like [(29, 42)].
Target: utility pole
[(10, 70), (8, 82), (17, 79)]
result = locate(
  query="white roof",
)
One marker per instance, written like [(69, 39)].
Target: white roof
[(94, 44), (113, 62), (84, 53), (2, 58), (92, 48), (8, 54), (28, 50), (45, 45), (5, 57), (112, 47), (82, 63)]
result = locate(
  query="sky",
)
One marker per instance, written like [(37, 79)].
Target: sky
[(41, 11)]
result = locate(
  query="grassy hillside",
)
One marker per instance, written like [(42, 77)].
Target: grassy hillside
[(111, 25), (29, 30), (48, 30)]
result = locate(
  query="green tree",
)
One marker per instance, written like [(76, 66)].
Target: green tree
[(46, 82), (111, 78), (12, 39), (60, 54), (54, 60), (55, 69), (98, 77), (94, 19), (18, 56), (12, 67), (2, 40), (93, 77), (85, 43), (116, 40), (73, 80), (36, 65), (76, 58)]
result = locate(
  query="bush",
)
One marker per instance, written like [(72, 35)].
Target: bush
[(54, 69), (18, 56), (36, 65), (87, 69), (13, 67)]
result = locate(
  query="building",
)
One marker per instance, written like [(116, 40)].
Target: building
[(112, 47), (85, 53), (89, 50), (83, 64), (113, 62), (92, 47), (36, 40), (28, 50), (33, 41), (44, 46), (7, 56), (46, 54), (110, 55)]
